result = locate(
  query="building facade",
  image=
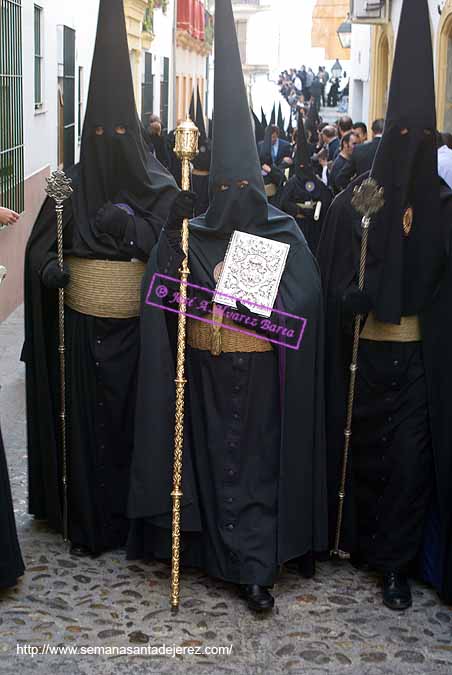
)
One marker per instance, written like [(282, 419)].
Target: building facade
[(372, 53), (327, 16), (251, 17), (44, 76), (194, 41)]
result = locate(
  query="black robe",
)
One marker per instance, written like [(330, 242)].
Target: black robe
[(410, 428), (11, 563), (101, 364), (254, 472)]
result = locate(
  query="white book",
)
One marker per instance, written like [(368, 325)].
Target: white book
[(252, 271)]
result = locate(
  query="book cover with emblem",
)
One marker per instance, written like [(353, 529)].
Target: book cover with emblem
[(252, 271)]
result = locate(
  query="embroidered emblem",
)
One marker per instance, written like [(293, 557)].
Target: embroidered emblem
[(408, 221)]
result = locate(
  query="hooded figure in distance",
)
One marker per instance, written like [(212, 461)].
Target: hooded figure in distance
[(254, 466), (305, 196), (121, 199), (201, 163), (393, 466)]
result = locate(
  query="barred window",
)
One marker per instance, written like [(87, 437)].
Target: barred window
[(38, 58), (11, 106)]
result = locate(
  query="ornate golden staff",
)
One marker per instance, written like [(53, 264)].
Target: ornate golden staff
[(59, 189), (186, 149), (368, 199)]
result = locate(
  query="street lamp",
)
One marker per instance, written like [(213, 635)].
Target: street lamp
[(344, 33), (336, 70)]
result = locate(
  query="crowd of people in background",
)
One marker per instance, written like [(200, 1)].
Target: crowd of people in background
[(303, 86)]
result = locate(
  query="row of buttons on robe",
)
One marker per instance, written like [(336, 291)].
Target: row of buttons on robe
[(239, 371), (100, 426)]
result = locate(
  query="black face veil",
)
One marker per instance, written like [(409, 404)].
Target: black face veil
[(115, 163)]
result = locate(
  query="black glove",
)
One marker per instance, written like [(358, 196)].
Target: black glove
[(112, 220), (53, 277), (276, 176), (356, 302), (181, 208), (291, 208)]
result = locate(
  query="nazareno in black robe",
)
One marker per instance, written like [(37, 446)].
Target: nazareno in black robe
[(339, 261), (305, 186), (11, 563), (101, 363), (293, 192), (254, 488), (101, 353), (286, 486)]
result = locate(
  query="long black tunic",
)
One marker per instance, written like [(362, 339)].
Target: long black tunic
[(11, 563)]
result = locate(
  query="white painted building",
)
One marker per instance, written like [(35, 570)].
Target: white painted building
[(52, 64)]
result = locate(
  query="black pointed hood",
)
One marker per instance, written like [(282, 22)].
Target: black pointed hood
[(203, 159), (191, 109), (273, 115), (289, 132), (263, 119), (406, 265), (200, 122), (303, 165), (259, 131), (237, 198), (282, 130), (313, 121), (115, 163), (243, 205), (265, 153)]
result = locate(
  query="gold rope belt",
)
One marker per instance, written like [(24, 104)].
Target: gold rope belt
[(216, 340), (408, 331), (104, 288)]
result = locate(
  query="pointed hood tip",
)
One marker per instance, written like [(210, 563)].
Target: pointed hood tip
[(232, 127), (413, 53)]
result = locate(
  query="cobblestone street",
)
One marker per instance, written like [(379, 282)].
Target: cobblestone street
[(332, 624)]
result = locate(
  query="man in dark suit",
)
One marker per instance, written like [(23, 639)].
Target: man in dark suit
[(331, 142), (362, 158), (281, 150), (349, 143)]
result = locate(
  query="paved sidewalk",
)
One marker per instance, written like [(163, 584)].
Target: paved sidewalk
[(332, 624)]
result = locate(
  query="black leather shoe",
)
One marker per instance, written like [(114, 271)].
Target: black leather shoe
[(80, 551), (257, 598), (396, 591)]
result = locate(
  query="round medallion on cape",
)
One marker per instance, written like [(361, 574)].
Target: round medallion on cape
[(408, 221)]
